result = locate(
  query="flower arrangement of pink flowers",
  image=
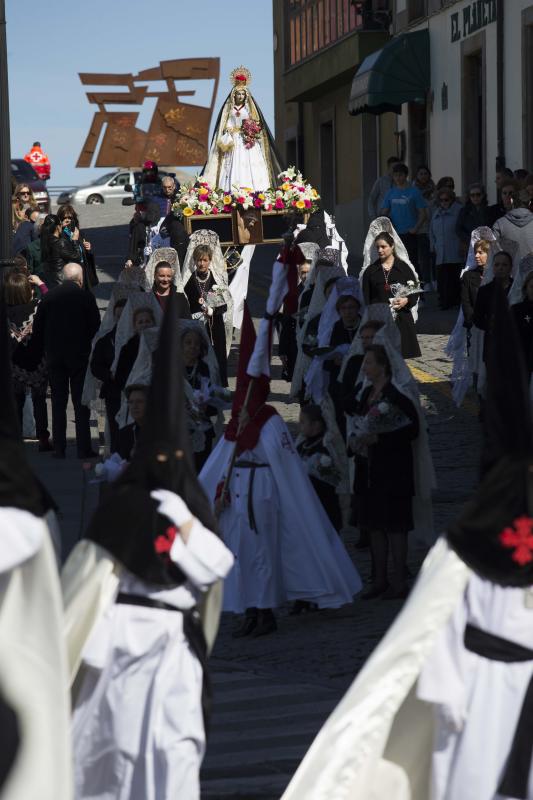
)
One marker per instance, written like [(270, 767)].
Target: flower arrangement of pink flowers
[(250, 132), (292, 194)]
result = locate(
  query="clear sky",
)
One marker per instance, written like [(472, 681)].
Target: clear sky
[(49, 43)]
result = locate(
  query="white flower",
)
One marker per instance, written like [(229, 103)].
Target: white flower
[(383, 408), (410, 283), (325, 461)]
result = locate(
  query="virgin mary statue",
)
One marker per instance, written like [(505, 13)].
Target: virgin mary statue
[(242, 150)]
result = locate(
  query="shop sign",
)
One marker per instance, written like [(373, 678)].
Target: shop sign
[(472, 18)]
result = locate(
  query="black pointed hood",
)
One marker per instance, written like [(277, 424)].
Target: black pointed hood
[(19, 487), (494, 533), (127, 523)]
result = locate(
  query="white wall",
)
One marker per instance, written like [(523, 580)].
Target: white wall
[(513, 83)]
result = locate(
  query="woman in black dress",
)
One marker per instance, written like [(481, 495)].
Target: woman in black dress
[(318, 462), (208, 306), (523, 316), (384, 483), (201, 416), (377, 280)]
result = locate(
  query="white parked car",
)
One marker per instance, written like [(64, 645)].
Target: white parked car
[(108, 188)]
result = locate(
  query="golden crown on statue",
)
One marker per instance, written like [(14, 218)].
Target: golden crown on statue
[(240, 77)]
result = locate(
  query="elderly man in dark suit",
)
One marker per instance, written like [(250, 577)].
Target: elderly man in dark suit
[(65, 324)]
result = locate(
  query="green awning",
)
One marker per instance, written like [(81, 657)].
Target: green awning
[(399, 73)]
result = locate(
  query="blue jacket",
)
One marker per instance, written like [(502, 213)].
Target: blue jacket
[(442, 236)]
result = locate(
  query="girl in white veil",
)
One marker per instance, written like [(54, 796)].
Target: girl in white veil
[(384, 269), (466, 357), (209, 297)]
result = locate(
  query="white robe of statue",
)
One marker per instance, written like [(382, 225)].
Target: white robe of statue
[(241, 166)]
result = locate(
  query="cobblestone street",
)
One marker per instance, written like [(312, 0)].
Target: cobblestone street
[(272, 693)]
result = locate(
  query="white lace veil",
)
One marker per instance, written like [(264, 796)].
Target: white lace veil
[(91, 386), (218, 270), (335, 445), (125, 326), (163, 254), (525, 266), (380, 312), (141, 372)]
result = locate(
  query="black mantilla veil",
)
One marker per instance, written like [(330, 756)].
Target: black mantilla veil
[(315, 231), (127, 523), (494, 533), (19, 487)]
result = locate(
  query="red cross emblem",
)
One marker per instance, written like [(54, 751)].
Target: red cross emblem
[(163, 544), (520, 538)]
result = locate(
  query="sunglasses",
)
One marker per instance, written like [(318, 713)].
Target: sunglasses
[(24, 194)]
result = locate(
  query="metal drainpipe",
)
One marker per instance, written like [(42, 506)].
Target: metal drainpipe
[(5, 147), (300, 138), (500, 86)]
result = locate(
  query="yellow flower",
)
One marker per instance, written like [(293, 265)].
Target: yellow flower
[(300, 204), (261, 196), (314, 192), (227, 199), (285, 186), (188, 212)]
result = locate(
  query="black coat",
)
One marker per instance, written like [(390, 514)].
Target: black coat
[(389, 467), (126, 440), (66, 321), (471, 217), (214, 325), (374, 292), (326, 491), (348, 401), (61, 251), (523, 316), (483, 313), (470, 283), (182, 304), (126, 360), (101, 363), (339, 335)]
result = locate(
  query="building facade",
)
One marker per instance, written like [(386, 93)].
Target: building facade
[(318, 46), (479, 107)]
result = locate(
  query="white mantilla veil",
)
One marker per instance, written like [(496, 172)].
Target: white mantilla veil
[(91, 385), (163, 254), (335, 445), (218, 270), (125, 328), (456, 347), (424, 472), (316, 304), (141, 372), (381, 313), (370, 253)]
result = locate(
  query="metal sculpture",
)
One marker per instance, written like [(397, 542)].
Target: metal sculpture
[(178, 131)]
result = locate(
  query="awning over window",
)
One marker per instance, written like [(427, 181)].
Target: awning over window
[(397, 74)]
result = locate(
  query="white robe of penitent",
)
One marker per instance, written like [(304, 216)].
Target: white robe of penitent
[(138, 729), (33, 660), (294, 553), (425, 719), (242, 166)]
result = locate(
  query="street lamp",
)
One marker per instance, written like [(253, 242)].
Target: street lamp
[(5, 146)]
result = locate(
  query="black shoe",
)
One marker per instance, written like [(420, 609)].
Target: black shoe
[(266, 623), (58, 454), (90, 454), (302, 607), (374, 591), (248, 624)]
